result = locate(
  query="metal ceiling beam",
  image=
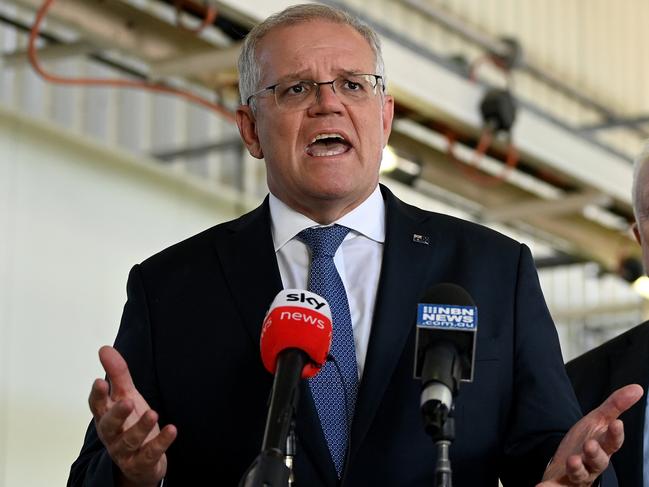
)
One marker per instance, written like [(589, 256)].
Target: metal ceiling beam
[(582, 313), (114, 24), (191, 64), (49, 53), (616, 123), (559, 260), (573, 233), (524, 210), (228, 144), (117, 26)]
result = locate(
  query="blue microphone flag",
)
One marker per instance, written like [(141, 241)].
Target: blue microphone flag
[(447, 317)]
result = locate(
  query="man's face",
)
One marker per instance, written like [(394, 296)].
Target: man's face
[(301, 173), (641, 227)]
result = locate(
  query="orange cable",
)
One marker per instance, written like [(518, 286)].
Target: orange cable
[(210, 17), (120, 83)]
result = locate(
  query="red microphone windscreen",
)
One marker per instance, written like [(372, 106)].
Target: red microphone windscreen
[(297, 319)]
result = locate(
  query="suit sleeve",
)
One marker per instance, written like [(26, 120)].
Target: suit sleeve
[(94, 467), (543, 406)]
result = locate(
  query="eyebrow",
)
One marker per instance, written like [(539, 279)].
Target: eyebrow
[(303, 75)]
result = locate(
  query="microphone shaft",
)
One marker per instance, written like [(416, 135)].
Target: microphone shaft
[(284, 399)]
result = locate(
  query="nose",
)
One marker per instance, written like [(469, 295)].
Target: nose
[(327, 100)]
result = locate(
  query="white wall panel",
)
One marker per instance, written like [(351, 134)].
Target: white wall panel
[(74, 218)]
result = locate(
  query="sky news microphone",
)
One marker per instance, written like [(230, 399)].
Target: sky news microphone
[(447, 321), (295, 341), (297, 319)]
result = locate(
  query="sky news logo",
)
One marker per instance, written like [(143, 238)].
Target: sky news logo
[(444, 316)]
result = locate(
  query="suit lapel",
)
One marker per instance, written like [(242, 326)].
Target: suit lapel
[(629, 365), (635, 367), (249, 265), (406, 264)]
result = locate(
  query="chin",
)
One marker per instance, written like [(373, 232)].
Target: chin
[(332, 189)]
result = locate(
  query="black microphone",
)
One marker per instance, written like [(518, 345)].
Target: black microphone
[(447, 321)]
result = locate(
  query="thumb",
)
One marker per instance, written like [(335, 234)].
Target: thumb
[(117, 372), (620, 400)]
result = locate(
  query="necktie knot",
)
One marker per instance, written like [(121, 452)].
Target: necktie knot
[(323, 241)]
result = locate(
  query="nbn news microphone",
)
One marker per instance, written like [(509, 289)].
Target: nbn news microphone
[(447, 322), (295, 341)]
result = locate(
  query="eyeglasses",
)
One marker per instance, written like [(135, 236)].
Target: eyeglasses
[(351, 89)]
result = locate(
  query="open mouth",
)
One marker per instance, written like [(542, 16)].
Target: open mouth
[(326, 145)]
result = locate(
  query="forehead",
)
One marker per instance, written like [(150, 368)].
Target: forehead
[(314, 48)]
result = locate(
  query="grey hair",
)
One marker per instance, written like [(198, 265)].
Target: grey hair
[(249, 70), (639, 163)]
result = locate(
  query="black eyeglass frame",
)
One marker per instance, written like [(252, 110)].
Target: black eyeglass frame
[(318, 84)]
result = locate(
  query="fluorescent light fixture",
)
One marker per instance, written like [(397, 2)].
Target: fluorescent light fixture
[(641, 286), (389, 161)]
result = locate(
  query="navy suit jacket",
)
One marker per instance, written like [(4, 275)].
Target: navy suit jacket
[(618, 362), (190, 334)]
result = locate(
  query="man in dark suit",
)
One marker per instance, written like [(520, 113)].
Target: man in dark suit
[(186, 356), (623, 360), (620, 361)]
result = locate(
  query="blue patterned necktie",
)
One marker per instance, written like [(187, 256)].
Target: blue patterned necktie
[(327, 388)]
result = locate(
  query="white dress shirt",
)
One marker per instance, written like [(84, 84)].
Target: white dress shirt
[(358, 259)]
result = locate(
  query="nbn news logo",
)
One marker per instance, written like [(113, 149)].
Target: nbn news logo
[(445, 316)]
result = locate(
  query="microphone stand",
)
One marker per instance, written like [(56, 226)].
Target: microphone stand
[(270, 468), (441, 374), (440, 425), (291, 447)]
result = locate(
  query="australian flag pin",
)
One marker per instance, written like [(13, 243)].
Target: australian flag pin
[(422, 239)]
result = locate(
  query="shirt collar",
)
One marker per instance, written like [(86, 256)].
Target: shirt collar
[(367, 219)]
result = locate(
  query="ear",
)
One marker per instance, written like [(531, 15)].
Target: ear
[(636, 232), (388, 115), (247, 125)]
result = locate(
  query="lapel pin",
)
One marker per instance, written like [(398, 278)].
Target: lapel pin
[(422, 239)]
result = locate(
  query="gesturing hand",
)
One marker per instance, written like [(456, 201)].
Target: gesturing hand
[(585, 451), (127, 426)]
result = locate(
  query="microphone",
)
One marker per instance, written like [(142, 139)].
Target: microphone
[(297, 319), (295, 341), (447, 321)]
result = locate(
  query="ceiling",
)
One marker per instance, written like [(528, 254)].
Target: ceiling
[(580, 84)]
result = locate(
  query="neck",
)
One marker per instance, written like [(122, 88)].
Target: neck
[(325, 211)]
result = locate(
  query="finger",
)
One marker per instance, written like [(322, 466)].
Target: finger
[(132, 439), (613, 438), (595, 458), (98, 400), (117, 371), (154, 449), (111, 424), (576, 470), (620, 400)]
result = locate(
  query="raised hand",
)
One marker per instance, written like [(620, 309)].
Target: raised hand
[(585, 451), (127, 426)]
